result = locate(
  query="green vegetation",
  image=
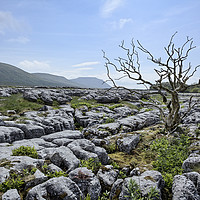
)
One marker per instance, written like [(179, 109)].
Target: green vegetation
[(56, 174), (142, 156), (51, 174), (105, 196), (170, 154), (18, 104), (197, 132), (135, 193), (110, 148), (91, 163), (122, 174), (17, 180), (109, 120), (55, 105), (14, 182), (156, 151), (112, 107), (25, 151), (79, 103)]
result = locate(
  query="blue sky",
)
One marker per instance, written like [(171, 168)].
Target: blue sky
[(65, 37)]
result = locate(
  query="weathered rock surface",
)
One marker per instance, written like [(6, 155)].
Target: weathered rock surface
[(55, 188), (145, 181), (86, 181), (107, 176), (10, 134), (183, 189), (85, 149), (4, 173), (107, 99), (128, 142), (11, 194), (192, 163), (67, 134), (116, 189), (37, 178), (64, 158), (140, 120), (60, 147)]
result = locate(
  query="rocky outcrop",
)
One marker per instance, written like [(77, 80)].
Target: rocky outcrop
[(10, 134), (85, 149), (107, 176), (86, 181), (11, 194), (146, 181), (192, 163), (56, 188), (183, 188), (128, 142), (63, 149)]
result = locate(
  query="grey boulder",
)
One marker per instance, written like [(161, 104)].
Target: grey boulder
[(85, 149), (147, 180), (55, 188), (86, 181), (68, 134), (10, 134), (191, 163), (62, 156), (11, 194), (128, 142), (107, 176), (183, 189)]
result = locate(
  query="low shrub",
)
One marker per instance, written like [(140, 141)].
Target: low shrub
[(16, 179), (109, 120), (135, 194), (91, 163), (170, 154), (25, 151)]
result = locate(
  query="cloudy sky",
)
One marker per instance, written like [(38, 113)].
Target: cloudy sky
[(66, 37)]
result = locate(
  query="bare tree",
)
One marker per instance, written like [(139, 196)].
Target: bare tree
[(173, 71)]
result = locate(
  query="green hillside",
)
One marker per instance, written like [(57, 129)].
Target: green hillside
[(13, 76), (58, 80)]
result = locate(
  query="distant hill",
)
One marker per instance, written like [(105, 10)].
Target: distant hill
[(14, 76), (91, 82), (58, 80)]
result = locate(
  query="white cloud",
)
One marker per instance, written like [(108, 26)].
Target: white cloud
[(8, 23), (35, 66), (122, 22), (110, 6), (86, 64), (22, 40)]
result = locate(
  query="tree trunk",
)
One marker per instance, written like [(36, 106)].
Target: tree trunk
[(173, 118)]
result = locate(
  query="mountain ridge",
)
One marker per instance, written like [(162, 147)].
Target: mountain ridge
[(13, 76)]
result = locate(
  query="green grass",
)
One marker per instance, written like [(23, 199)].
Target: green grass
[(25, 151), (76, 103), (170, 154), (91, 163), (18, 103)]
